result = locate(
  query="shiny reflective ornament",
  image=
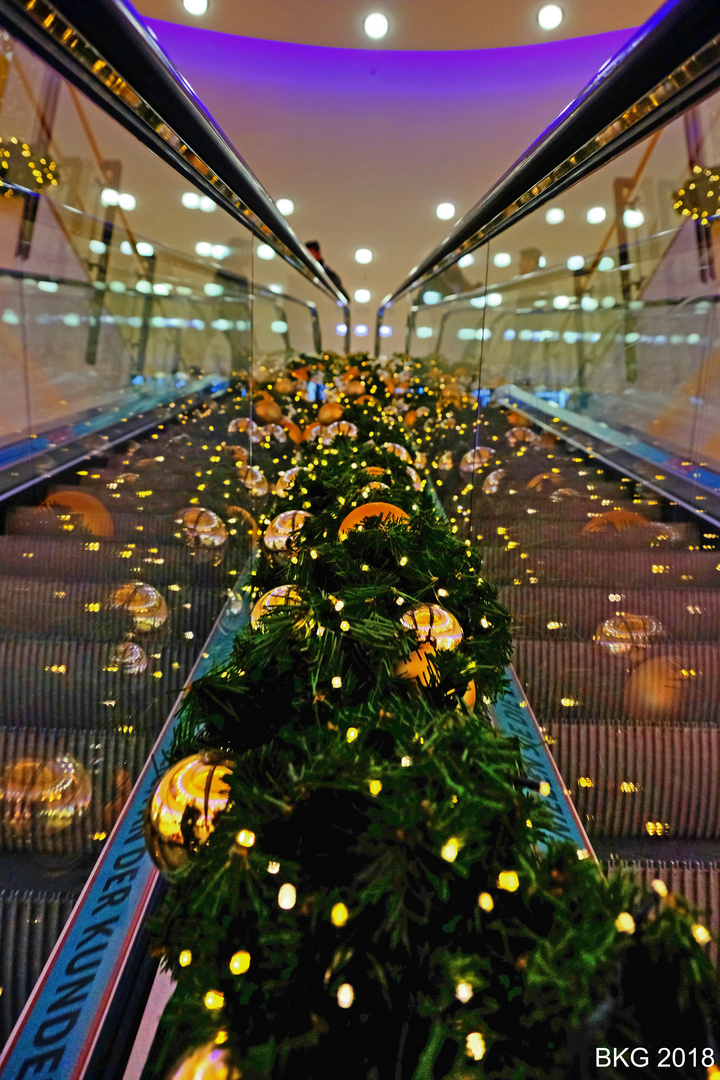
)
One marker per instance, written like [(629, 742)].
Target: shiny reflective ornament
[(283, 385), (398, 450), (516, 419), (624, 633), (375, 471), (330, 412), (242, 425), (432, 623), (312, 431), (281, 596), (419, 666), (340, 427), (239, 453), (183, 809), (370, 490), (209, 1062), (130, 658), (417, 483), (491, 482), (286, 481), (357, 517), (445, 461), (275, 431), (618, 519), (203, 528), (128, 478), (254, 480), (50, 791), (564, 493), (474, 460), (520, 435), (655, 690), (280, 537), (267, 410), (293, 431), (420, 461), (244, 523), (544, 481), (143, 602), (92, 515)]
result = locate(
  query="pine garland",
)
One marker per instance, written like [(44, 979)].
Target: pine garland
[(423, 872)]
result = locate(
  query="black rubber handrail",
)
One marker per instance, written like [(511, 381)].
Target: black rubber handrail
[(677, 52), (104, 48)]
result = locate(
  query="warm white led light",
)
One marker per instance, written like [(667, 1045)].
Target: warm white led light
[(285, 206), (362, 295), (126, 201), (264, 251), (554, 215), (204, 249), (190, 200), (445, 211), (376, 25), (363, 255), (549, 16), (206, 204), (195, 7), (109, 197), (596, 215)]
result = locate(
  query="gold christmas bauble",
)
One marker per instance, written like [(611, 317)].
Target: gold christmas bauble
[(239, 453), (417, 483), (281, 596), (286, 481), (474, 460), (143, 602), (329, 412), (435, 624), (254, 480), (355, 388), (94, 517), (515, 419), (211, 1062), (520, 434), (654, 690), (360, 514), (275, 431), (340, 427), (244, 523), (268, 411), (312, 431), (374, 470), (203, 528), (292, 429), (624, 632), (410, 418), (283, 385), (280, 537), (51, 791), (445, 461), (130, 658), (183, 809), (374, 486), (398, 450), (243, 425), (491, 483), (419, 665)]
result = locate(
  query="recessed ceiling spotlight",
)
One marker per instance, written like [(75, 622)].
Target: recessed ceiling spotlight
[(285, 206), (445, 211), (385, 331), (575, 262), (633, 218), (502, 258), (361, 329), (376, 26), (264, 251), (554, 215), (362, 296), (467, 260), (363, 255), (195, 7), (549, 16), (596, 215)]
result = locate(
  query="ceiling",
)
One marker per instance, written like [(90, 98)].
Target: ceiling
[(414, 24), (367, 142)]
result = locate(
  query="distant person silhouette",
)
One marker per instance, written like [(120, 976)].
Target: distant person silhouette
[(314, 248)]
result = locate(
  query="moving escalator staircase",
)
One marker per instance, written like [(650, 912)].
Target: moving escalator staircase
[(614, 595), (111, 581)]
